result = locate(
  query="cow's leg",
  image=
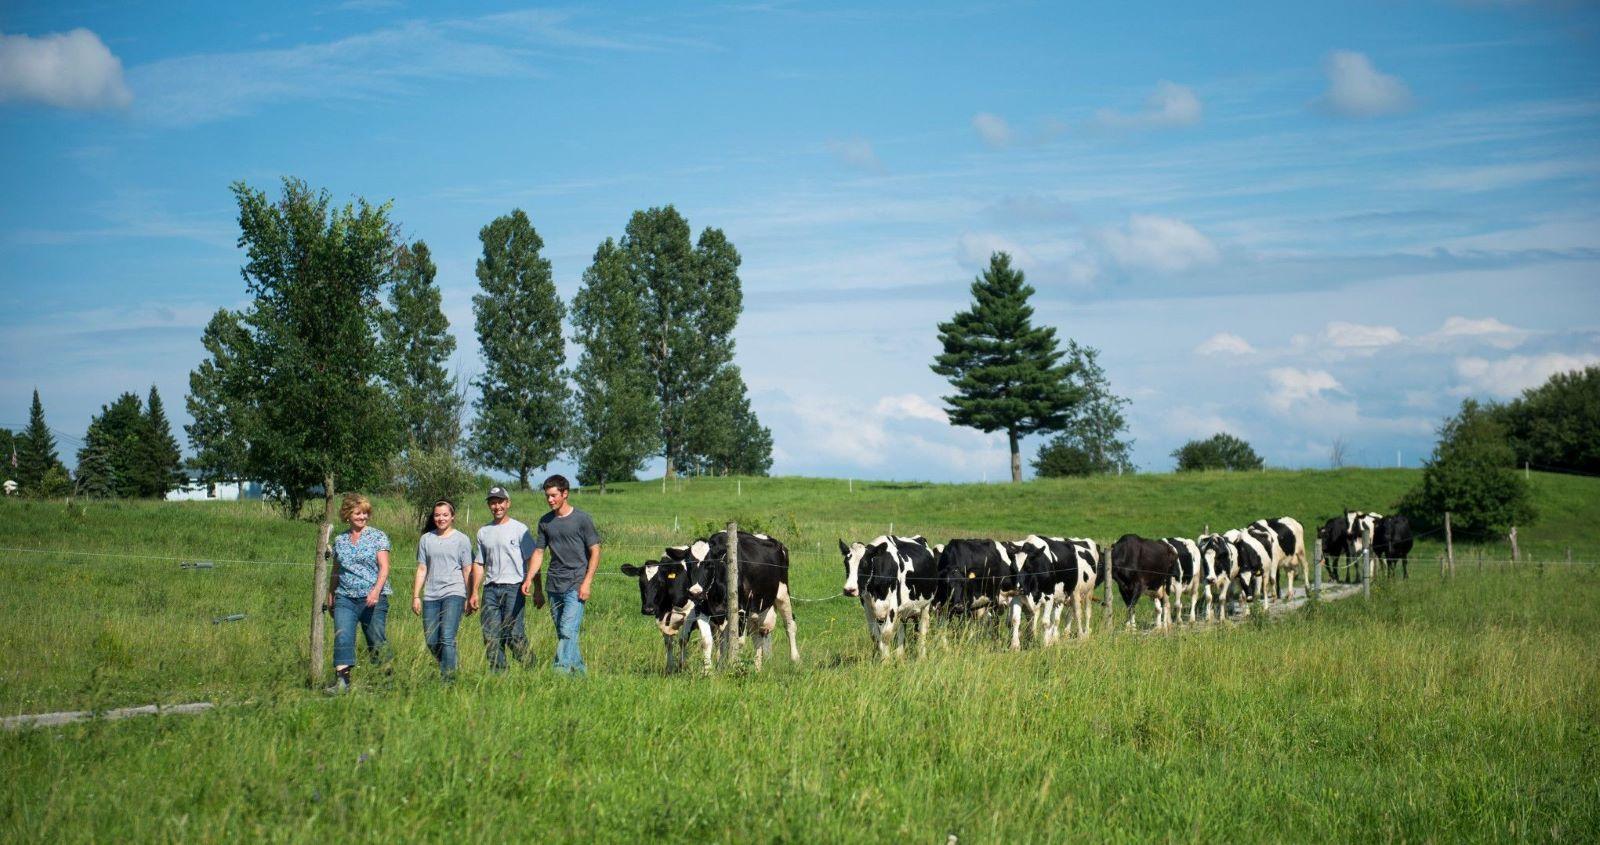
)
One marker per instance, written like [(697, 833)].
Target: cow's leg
[(923, 621), (1016, 624), (666, 642), (786, 607), (707, 640)]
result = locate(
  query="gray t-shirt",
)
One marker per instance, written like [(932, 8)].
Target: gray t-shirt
[(566, 541), (446, 559), (504, 551)]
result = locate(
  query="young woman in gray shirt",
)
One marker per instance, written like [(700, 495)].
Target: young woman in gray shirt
[(439, 592)]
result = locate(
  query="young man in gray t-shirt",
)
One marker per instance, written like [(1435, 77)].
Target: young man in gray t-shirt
[(505, 547), (573, 543)]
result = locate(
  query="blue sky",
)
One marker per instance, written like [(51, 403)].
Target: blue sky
[(1328, 222)]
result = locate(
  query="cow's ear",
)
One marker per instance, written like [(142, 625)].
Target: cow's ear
[(843, 549), (880, 547), (631, 571), (678, 552)]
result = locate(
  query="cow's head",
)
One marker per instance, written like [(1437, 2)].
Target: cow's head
[(707, 566), (649, 589), (858, 560), (1217, 559), (663, 589)]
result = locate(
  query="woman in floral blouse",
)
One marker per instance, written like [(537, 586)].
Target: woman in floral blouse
[(359, 591)]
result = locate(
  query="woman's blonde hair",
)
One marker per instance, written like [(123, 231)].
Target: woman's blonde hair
[(354, 502)]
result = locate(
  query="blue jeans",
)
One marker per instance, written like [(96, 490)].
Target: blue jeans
[(349, 610), (502, 624), (567, 611), (441, 618)]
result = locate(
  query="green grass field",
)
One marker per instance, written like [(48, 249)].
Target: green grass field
[(1441, 710)]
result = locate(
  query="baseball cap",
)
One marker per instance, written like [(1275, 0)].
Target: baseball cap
[(498, 493)]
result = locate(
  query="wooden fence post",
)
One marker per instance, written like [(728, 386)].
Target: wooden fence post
[(1449, 545), (1366, 573), (733, 593), (1316, 564), (319, 591), (1516, 554)]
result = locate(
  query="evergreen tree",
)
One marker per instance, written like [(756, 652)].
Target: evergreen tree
[(114, 459), (1219, 451), (1007, 373), (522, 391), (161, 468), (8, 451), (1471, 476), (36, 452), (1092, 443), (317, 410), (617, 410), (218, 402), (416, 345)]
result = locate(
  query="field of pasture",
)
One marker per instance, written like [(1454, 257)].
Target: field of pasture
[(1462, 709)]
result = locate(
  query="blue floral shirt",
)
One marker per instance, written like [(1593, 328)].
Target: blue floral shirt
[(358, 562)]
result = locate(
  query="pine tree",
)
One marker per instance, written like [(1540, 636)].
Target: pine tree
[(218, 402), (1007, 373), (114, 460), (162, 461), (416, 345), (36, 452), (617, 410), (522, 391)]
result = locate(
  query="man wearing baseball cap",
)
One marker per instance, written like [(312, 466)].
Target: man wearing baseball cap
[(504, 549)]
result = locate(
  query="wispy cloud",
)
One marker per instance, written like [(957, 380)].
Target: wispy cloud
[(1224, 343), (1506, 377), (69, 70), (1357, 336), (1357, 89), (856, 152), (1152, 242), (993, 129), (1170, 105)]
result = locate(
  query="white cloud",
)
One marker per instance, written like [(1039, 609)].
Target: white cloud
[(856, 152), (1488, 329), (1225, 343), (1159, 243), (974, 249), (835, 429), (1510, 376), (1291, 386), (1356, 336), (994, 130), (1168, 106), (72, 70), (1357, 89), (909, 406)]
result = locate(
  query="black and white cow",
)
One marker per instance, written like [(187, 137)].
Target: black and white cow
[(1186, 575), (1335, 537), (1253, 558), (1053, 573), (1391, 542), (897, 580), (664, 595), (763, 589), (1285, 539), (981, 579), (1361, 528), (1219, 568), (1139, 566)]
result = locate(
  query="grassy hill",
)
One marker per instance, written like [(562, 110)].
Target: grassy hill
[(1456, 709)]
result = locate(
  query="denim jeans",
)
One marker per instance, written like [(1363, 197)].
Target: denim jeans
[(567, 611), (347, 612), (502, 624), (441, 618)]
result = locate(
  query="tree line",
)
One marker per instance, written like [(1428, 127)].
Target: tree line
[(321, 381)]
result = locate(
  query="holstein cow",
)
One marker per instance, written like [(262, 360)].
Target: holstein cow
[(981, 577), (1391, 541), (1185, 574), (1285, 539), (1252, 557), (664, 594), (897, 579), (1335, 537), (1053, 572), (1359, 531), (763, 589), (1138, 566), (1219, 568)]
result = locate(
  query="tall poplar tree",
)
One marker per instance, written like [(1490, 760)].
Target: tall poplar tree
[(1007, 373), (728, 439), (218, 402), (416, 345), (617, 409), (522, 390), (36, 453)]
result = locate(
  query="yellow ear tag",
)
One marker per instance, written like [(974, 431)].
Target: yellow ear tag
[(971, 575), (671, 575)]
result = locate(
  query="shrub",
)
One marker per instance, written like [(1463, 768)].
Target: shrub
[(1471, 476), (1220, 451)]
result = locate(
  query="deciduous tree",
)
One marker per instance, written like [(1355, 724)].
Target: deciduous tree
[(1092, 442), (1219, 451), (1470, 475), (616, 408), (219, 402), (416, 344)]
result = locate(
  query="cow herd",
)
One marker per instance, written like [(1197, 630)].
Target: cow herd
[(905, 583)]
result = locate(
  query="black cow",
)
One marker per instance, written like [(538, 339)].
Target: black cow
[(1138, 566), (981, 577), (896, 578), (664, 595), (763, 588), (1391, 541), (1335, 537)]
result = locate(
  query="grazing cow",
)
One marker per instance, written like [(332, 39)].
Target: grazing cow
[(1219, 568), (763, 589), (1285, 539), (1391, 541), (1138, 566), (664, 595), (1053, 572), (1252, 557), (980, 576), (1335, 537), (897, 579), (1185, 575)]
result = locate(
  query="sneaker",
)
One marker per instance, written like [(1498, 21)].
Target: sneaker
[(339, 687)]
